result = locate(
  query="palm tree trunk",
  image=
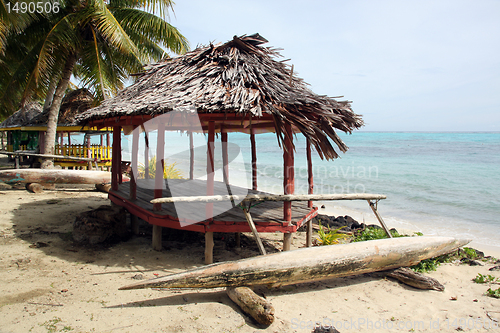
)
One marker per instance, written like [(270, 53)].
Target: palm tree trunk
[(50, 94), (50, 137)]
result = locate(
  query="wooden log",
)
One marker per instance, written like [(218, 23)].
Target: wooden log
[(34, 187), (310, 264), (271, 197), (252, 304), (416, 280), (103, 187), (55, 176)]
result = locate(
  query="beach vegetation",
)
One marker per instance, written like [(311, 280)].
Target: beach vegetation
[(493, 292), (480, 278), (374, 233), (170, 171), (430, 264), (470, 253), (329, 236)]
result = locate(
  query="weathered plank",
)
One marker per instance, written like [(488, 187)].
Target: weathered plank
[(272, 197)]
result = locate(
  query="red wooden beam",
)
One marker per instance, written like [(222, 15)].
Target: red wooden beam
[(225, 158), (160, 155), (254, 159), (288, 172), (134, 166), (116, 161), (210, 167), (191, 156), (309, 172)]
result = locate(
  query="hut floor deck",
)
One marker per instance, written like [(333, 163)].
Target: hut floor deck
[(267, 216)]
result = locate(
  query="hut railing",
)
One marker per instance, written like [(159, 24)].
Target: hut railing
[(95, 152)]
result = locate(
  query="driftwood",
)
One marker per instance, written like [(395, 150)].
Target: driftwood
[(103, 187), (56, 176), (416, 280), (34, 187), (310, 264), (272, 197), (252, 304)]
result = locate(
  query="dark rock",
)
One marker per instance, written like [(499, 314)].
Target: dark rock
[(105, 223), (325, 329), (323, 206), (138, 277), (470, 262), (495, 268), (374, 226)]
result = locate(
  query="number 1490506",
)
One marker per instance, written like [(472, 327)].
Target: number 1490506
[(40, 7)]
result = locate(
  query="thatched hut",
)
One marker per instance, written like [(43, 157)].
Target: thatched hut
[(238, 86), (30, 124), (16, 137)]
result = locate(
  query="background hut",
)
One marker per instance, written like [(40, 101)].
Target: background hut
[(238, 86), (30, 124), (17, 139)]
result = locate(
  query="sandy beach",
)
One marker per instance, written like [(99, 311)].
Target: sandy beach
[(50, 284)]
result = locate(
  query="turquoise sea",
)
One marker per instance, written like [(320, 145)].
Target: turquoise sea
[(440, 183)]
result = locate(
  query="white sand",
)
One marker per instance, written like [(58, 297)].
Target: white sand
[(65, 288)]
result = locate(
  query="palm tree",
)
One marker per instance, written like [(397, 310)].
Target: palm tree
[(100, 42)]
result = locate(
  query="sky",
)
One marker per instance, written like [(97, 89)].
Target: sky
[(406, 65)]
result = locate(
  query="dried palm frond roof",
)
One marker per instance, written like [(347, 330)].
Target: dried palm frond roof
[(74, 103), (23, 115), (237, 77)]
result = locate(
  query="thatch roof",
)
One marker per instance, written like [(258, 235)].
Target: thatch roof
[(23, 115), (237, 77), (74, 103)]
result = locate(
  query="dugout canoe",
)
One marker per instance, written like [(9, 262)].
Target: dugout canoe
[(310, 264), (55, 176)]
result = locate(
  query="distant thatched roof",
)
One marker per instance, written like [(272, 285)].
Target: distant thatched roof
[(22, 116), (238, 77), (73, 104)]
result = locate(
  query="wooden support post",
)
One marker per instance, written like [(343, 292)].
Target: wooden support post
[(287, 241), (254, 160), (146, 159), (209, 248), (237, 239), (288, 172), (157, 242), (160, 155), (159, 182), (134, 224), (102, 140), (69, 138), (191, 156), (309, 191), (210, 167), (116, 168), (209, 208), (89, 152), (254, 231), (225, 158), (135, 152), (379, 218)]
